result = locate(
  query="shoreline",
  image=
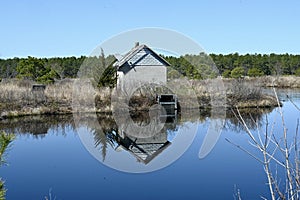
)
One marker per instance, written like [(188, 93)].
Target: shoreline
[(266, 102), (17, 99)]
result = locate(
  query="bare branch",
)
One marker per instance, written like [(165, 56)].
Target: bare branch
[(297, 172), (237, 193), (281, 195), (292, 102), (286, 151), (247, 129), (246, 151), (269, 145), (266, 133), (271, 156), (264, 198), (269, 175)]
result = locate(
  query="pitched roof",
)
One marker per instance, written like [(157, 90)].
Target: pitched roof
[(144, 152), (122, 60)]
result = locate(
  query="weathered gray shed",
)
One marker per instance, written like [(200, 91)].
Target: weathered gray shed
[(141, 65)]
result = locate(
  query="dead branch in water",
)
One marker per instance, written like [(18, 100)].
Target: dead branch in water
[(269, 147)]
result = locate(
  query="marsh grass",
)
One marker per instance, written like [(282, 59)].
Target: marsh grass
[(80, 95), (240, 93), (18, 98), (280, 81)]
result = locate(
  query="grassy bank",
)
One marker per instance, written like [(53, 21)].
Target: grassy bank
[(17, 98), (271, 81), (238, 93)]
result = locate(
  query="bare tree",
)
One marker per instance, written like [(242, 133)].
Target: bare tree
[(281, 151)]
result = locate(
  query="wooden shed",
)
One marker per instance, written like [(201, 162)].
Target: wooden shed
[(141, 65)]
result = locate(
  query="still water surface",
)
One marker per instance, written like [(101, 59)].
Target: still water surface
[(48, 159)]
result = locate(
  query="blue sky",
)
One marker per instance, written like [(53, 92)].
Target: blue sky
[(73, 28)]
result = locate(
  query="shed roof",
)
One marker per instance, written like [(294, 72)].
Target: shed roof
[(144, 152), (133, 52)]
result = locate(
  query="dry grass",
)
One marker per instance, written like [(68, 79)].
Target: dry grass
[(13, 92), (230, 93), (18, 98), (79, 95), (276, 81)]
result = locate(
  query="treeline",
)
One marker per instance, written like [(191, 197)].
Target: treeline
[(33, 68), (201, 66), (47, 70), (257, 64), (235, 65)]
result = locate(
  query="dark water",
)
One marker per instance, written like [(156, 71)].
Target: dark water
[(49, 159)]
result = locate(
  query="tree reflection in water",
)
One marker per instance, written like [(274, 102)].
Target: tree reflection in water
[(109, 134), (104, 137), (254, 117), (37, 126), (145, 149)]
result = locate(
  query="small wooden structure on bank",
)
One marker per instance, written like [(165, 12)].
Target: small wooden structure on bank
[(170, 103), (141, 65), (168, 99), (38, 88)]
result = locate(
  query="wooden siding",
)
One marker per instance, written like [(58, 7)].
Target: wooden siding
[(140, 75)]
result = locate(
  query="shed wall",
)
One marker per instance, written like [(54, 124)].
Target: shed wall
[(140, 75)]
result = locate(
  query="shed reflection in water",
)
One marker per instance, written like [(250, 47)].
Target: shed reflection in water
[(124, 147), (144, 149)]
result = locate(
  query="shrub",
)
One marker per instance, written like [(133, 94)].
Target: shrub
[(242, 91), (254, 72), (36, 70), (226, 73), (297, 72), (237, 72)]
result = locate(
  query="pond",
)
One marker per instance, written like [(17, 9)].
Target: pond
[(61, 157)]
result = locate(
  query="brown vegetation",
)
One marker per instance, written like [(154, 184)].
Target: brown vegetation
[(72, 95), (17, 98), (272, 81), (238, 93)]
